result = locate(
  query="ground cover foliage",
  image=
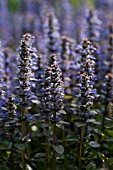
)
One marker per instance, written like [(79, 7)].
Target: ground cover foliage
[(56, 85)]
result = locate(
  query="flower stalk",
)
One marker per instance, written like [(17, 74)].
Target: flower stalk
[(25, 82)]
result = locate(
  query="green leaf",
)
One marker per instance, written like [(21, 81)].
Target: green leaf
[(91, 166), (47, 133), (108, 119), (4, 108), (97, 123), (45, 125), (90, 120), (59, 149), (5, 145), (36, 102), (3, 167), (11, 121), (20, 146), (39, 155), (110, 132), (62, 112), (94, 144), (28, 167), (63, 122), (79, 124), (72, 140), (109, 126), (98, 131), (93, 112)]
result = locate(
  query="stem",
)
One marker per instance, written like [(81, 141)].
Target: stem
[(23, 160), (103, 124), (64, 143), (28, 145), (23, 112), (104, 116), (30, 164), (12, 165), (54, 141), (46, 149), (81, 147), (46, 157)]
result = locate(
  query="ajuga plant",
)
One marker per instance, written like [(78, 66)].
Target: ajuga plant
[(3, 114), (7, 69), (8, 110), (65, 63), (93, 32), (52, 35), (67, 15), (107, 90), (39, 74), (104, 6), (11, 131), (25, 78), (2, 92), (80, 22), (85, 99), (93, 26), (69, 65), (109, 75), (34, 126), (52, 101), (73, 66), (5, 28)]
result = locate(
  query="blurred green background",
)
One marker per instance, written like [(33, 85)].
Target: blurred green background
[(14, 4), (76, 2)]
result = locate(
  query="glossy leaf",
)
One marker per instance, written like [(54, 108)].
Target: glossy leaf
[(5, 145), (94, 144), (91, 166), (59, 149)]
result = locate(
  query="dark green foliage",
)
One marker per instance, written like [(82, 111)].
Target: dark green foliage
[(56, 100)]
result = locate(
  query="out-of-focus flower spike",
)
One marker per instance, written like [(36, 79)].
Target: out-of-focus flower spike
[(67, 16), (11, 120), (93, 26), (65, 52), (52, 35)]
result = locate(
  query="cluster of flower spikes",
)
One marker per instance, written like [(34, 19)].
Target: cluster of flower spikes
[(2, 95), (107, 89), (52, 91), (87, 79), (52, 35)]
